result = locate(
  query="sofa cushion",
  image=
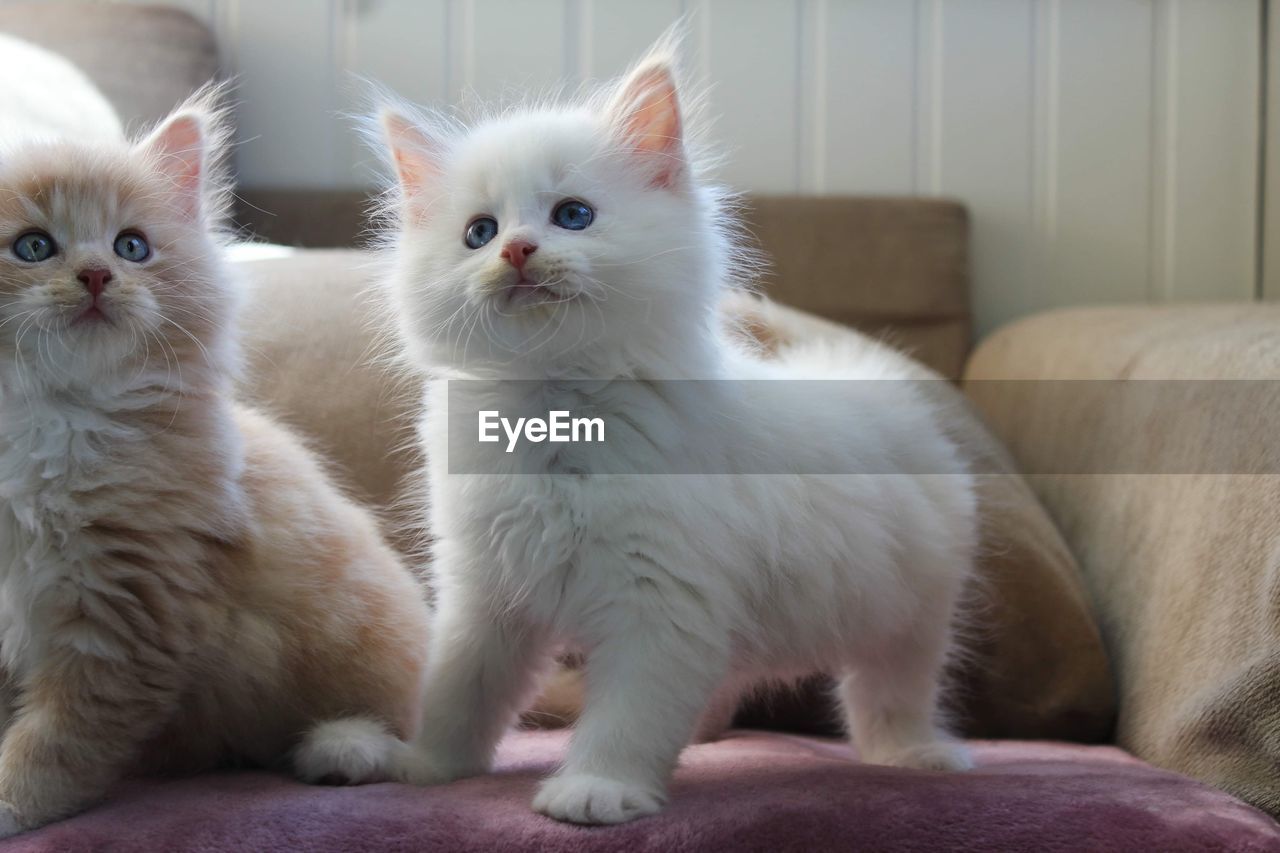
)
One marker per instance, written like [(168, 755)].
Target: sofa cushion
[(146, 59), (751, 792), (1169, 494), (1038, 668)]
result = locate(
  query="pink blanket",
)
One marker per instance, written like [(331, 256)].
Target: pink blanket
[(752, 791)]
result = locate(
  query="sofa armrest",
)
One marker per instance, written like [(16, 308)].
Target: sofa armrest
[(1168, 494)]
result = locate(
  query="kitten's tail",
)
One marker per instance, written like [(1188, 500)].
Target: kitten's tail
[(351, 751)]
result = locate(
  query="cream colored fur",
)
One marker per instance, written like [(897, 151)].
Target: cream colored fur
[(181, 584)]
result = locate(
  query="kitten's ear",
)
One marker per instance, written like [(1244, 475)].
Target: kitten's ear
[(645, 113), (185, 149), (414, 153)]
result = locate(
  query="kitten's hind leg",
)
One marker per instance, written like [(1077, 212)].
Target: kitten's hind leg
[(891, 703)]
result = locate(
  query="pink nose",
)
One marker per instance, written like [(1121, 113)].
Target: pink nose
[(94, 280), (517, 252)]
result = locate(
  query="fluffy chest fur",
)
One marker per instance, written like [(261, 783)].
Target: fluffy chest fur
[(82, 482), (787, 563), (49, 462)]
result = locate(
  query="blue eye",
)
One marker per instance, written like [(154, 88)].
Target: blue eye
[(573, 215), (481, 231), (34, 247), (132, 247)]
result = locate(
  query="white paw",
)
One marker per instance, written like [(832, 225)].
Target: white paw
[(9, 824), (583, 798), (941, 755)]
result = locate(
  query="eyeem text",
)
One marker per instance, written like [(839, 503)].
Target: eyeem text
[(558, 426)]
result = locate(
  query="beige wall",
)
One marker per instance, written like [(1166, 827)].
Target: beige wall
[(1107, 149), (1271, 145)]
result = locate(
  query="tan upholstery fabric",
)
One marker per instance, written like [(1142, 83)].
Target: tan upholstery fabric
[(894, 268), (145, 59), (1185, 568), (1038, 672)]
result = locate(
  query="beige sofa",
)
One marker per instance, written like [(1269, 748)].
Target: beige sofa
[(1154, 438)]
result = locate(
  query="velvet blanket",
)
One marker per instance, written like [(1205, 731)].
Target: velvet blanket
[(753, 791)]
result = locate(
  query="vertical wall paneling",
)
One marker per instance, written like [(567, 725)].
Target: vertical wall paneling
[(927, 96), (1271, 189), (751, 56), (1046, 114), (612, 35), (404, 46), (1095, 177), (284, 53), (984, 145), (1164, 151), (529, 55), (864, 52), (1107, 149), (810, 114), (1214, 78)]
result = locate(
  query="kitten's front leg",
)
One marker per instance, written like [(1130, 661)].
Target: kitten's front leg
[(78, 726), (647, 684), (480, 670)]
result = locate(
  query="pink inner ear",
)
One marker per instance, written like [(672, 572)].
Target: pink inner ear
[(413, 152), (178, 149), (651, 121), (412, 175)]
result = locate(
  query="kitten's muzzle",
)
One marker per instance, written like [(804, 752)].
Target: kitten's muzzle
[(526, 290), (521, 285)]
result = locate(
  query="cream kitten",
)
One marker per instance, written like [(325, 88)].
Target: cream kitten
[(180, 583), (581, 246)]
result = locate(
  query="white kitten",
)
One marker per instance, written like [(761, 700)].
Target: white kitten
[(582, 243)]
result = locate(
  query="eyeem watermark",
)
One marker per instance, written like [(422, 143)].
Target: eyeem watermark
[(681, 427), (557, 427)]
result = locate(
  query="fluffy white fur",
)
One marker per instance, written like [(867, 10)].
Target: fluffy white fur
[(675, 587)]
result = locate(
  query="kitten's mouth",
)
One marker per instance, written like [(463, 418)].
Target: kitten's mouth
[(91, 316), (525, 291)]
